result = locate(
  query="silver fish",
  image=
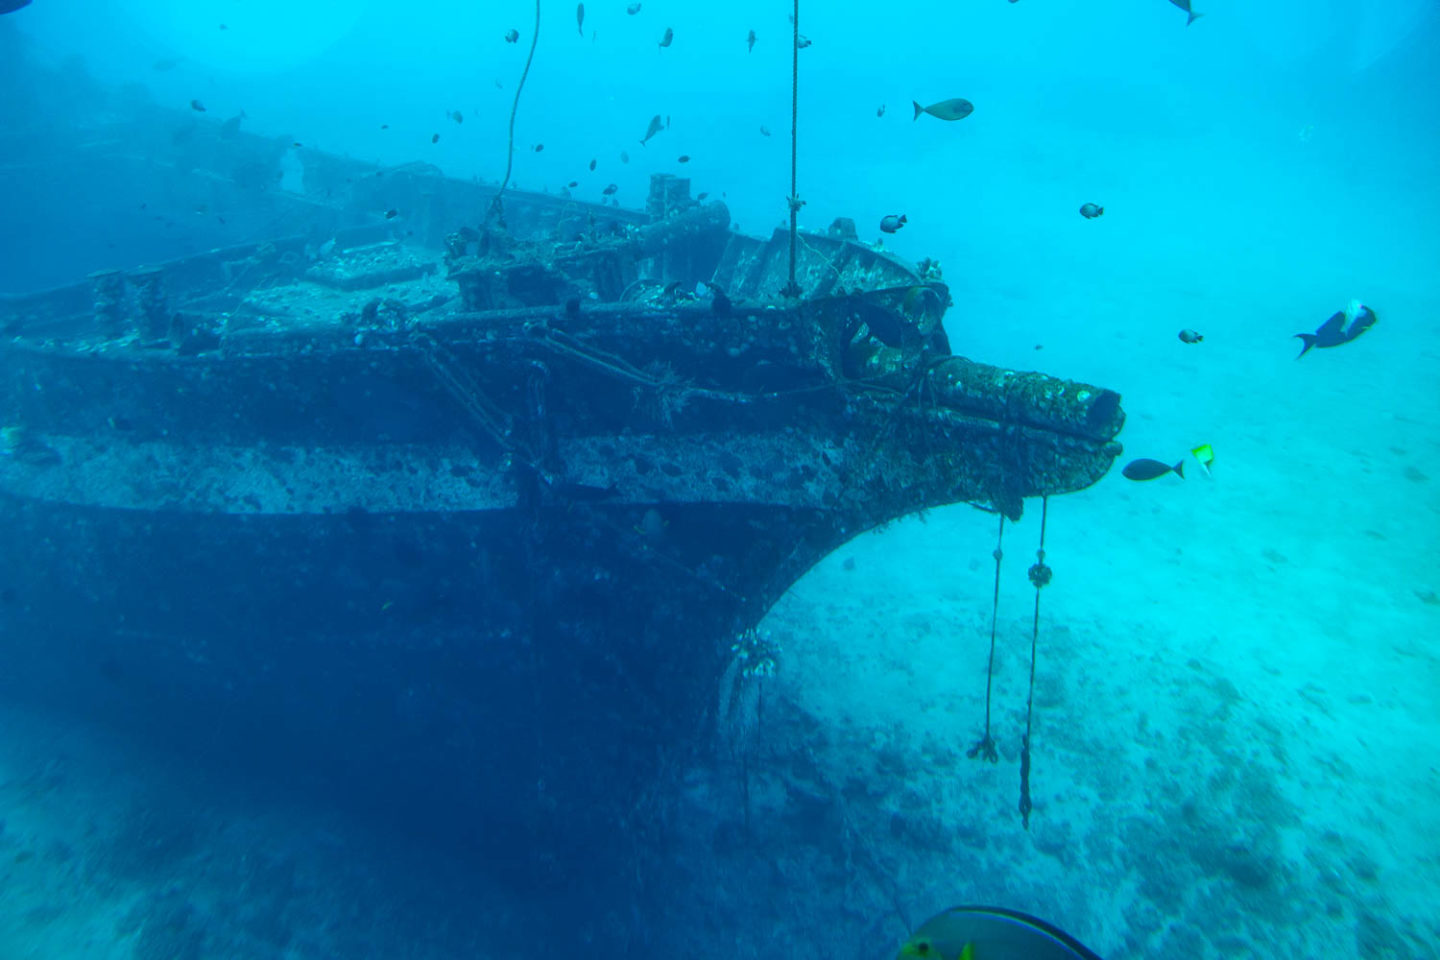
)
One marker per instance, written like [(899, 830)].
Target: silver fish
[(957, 108)]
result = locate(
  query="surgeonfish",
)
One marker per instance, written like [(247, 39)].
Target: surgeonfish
[(580, 18), (1342, 327), (892, 223), (1146, 469), (991, 933), (750, 42), (669, 37), (1091, 210), (10, 6), (956, 108)]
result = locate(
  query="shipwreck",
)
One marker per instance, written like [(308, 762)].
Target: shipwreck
[(474, 511)]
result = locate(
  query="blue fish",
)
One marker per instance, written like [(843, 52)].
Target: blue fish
[(1342, 327), (10, 6)]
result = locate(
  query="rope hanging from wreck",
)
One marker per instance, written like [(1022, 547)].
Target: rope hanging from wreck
[(1040, 575), (497, 211), (792, 289), (985, 746)]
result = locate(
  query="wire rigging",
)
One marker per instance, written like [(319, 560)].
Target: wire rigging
[(985, 746), (497, 211), (792, 289), (1040, 575)]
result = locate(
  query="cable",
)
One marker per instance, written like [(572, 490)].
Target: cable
[(496, 210), (792, 289), (1040, 575), (985, 746)]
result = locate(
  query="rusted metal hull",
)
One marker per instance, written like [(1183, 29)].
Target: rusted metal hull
[(482, 523)]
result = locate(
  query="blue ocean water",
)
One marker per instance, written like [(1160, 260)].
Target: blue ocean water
[(1236, 696)]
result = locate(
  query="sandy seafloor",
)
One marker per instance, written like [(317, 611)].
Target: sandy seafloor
[(1237, 695), (1237, 712)]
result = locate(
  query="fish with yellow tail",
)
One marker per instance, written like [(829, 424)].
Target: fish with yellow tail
[(991, 933), (1205, 454)]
